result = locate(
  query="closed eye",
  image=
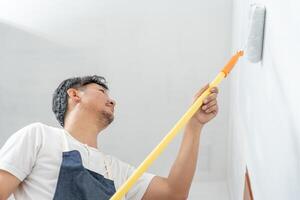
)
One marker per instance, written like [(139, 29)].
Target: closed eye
[(102, 90)]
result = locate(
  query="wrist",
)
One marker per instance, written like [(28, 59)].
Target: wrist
[(193, 124)]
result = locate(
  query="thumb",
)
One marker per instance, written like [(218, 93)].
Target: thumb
[(202, 90)]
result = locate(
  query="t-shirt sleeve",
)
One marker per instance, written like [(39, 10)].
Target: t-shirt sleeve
[(122, 171), (139, 188), (19, 153)]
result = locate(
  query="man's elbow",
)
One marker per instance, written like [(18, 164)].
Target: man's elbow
[(175, 195), (179, 197)]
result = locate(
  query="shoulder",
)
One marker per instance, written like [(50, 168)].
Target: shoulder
[(29, 130), (36, 131), (40, 127), (33, 127)]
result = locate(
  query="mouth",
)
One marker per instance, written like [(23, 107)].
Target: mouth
[(111, 108)]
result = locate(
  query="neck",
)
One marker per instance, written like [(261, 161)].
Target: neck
[(84, 127)]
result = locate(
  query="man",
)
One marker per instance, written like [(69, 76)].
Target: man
[(43, 162)]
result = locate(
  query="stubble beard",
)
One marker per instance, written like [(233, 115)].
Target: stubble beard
[(106, 118)]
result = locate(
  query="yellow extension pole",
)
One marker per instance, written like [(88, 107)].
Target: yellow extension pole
[(174, 131)]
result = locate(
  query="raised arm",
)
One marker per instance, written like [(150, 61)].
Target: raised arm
[(177, 185)]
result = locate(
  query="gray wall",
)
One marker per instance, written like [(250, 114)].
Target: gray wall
[(264, 106), (155, 55)]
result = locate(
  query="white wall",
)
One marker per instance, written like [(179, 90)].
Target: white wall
[(155, 55), (264, 113)]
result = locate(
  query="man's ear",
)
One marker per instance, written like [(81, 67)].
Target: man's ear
[(73, 94)]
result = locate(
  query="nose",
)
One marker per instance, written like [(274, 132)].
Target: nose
[(112, 102)]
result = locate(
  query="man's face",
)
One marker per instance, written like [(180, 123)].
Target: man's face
[(95, 98)]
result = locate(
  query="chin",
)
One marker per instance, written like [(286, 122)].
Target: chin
[(108, 117)]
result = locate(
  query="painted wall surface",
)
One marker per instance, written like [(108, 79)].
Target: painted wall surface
[(264, 106), (154, 54)]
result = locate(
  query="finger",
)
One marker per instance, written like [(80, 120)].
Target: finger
[(208, 105), (202, 90), (214, 90), (211, 103), (211, 109), (210, 98), (198, 94), (216, 111)]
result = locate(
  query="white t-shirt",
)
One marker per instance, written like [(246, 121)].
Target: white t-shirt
[(34, 155)]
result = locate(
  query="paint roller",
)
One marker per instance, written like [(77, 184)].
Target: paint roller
[(254, 54), (254, 44)]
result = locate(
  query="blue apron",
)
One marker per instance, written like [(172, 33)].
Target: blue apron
[(78, 183)]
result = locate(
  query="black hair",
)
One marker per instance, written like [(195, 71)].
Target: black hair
[(60, 96)]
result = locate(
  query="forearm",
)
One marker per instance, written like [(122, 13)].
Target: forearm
[(183, 169), (8, 184), (177, 185)]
